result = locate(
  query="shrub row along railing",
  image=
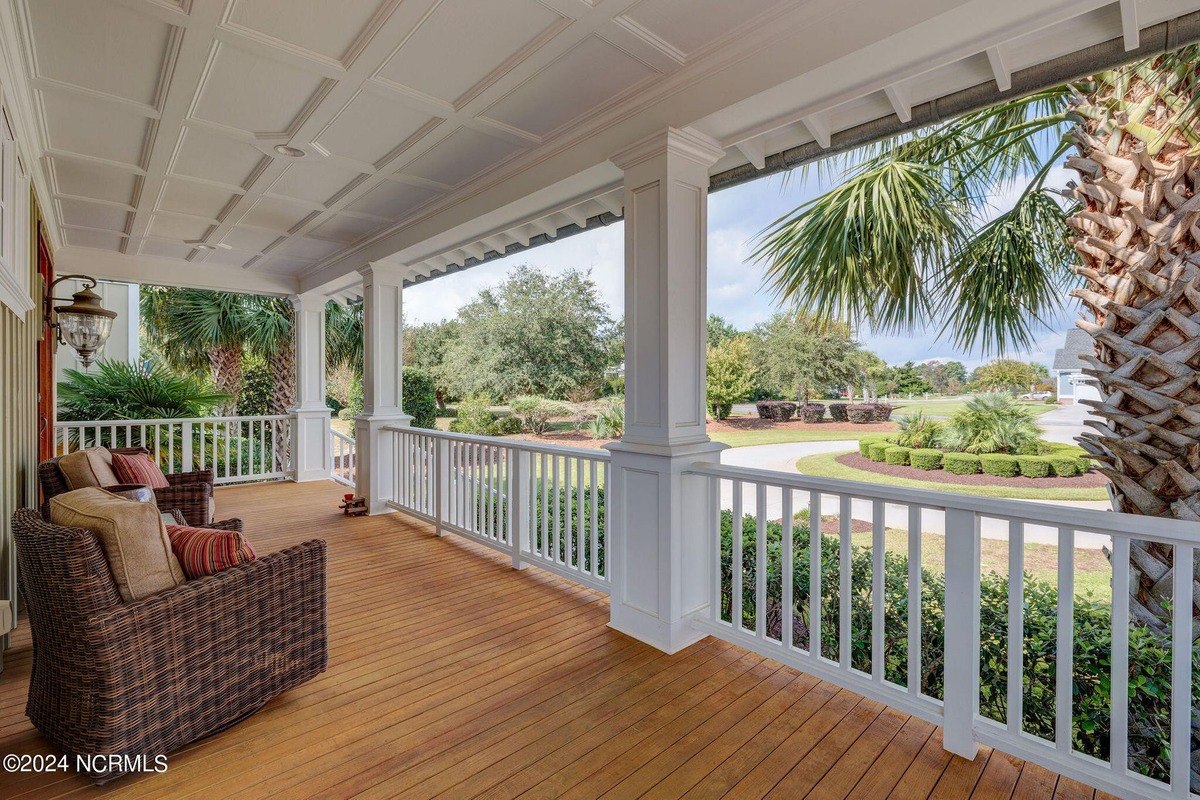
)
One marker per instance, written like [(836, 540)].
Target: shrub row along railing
[(540, 504), (344, 454), (882, 590), (237, 449)]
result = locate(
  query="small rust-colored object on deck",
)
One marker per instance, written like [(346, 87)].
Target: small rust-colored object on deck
[(353, 506)]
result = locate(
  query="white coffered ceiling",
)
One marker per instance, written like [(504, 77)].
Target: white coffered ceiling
[(435, 131)]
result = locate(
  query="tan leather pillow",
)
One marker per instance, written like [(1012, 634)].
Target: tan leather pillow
[(90, 467), (132, 535)]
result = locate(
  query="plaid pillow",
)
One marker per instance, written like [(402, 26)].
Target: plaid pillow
[(138, 468), (205, 551)]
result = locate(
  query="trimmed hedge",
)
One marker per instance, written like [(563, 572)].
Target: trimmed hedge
[(811, 413), (865, 443), (881, 412), (961, 463), (998, 464), (1064, 466), (777, 410), (897, 454), (837, 412), (925, 458), (877, 451), (860, 414), (1034, 466)]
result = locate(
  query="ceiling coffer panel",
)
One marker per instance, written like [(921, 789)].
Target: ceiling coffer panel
[(325, 30), (255, 94), (191, 197), (102, 46), (111, 132), (372, 127), (212, 157), (91, 180), (487, 36), (459, 157)]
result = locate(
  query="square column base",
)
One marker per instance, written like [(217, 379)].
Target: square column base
[(376, 459), (310, 444), (661, 526)]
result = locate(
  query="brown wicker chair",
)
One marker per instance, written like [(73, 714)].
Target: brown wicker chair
[(190, 492), (147, 677)]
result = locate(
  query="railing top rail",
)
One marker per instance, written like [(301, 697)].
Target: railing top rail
[(339, 435), (173, 420), (1172, 531), (514, 444)]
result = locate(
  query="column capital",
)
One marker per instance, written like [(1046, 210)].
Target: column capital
[(384, 273), (687, 143), (309, 301)]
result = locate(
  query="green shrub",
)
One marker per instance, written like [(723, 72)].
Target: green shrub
[(860, 413), (475, 416), (1083, 464), (837, 412), (534, 414), (1000, 465), (506, 426), (918, 431), (258, 382), (609, 422), (897, 454), (991, 423), (961, 463), (1034, 466), (877, 451), (1064, 466), (1150, 652), (865, 443), (925, 459)]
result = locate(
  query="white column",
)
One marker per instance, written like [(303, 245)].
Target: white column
[(310, 417), (383, 353), (659, 528)]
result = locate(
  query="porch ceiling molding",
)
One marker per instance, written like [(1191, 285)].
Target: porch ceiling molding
[(154, 129)]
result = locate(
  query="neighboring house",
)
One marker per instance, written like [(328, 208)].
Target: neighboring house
[(1072, 385), (122, 344)]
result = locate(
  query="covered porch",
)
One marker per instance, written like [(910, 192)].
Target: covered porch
[(453, 675)]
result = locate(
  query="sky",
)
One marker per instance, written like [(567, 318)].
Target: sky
[(735, 282)]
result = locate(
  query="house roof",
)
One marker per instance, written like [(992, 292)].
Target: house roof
[(1078, 343)]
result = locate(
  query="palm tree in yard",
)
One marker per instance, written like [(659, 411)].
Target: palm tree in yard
[(201, 330), (911, 235)]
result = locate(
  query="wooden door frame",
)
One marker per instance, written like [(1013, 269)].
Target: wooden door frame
[(45, 355)]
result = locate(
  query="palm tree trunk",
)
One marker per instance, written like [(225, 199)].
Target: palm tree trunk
[(1138, 242), (225, 364)]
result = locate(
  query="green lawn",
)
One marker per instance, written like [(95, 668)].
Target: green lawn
[(1093, 574), (826, 466), (783, 435), (946, 408)]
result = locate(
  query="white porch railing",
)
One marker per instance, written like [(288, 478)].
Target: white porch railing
[(540, 504), (772, 592), (237, 449), (345, 458)]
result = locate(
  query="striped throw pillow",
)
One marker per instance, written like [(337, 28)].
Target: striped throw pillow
[(205, 551), (138, 468)]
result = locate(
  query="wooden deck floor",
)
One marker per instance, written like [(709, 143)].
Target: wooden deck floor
[(452, 675)]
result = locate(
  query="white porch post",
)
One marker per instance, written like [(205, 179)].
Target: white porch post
[(310, 417), (383, 353), (658, 524)]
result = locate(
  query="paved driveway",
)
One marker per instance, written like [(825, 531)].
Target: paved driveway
[(783, 457)]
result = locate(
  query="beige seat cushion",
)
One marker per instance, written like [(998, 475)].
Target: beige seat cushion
[(132, 535), (90, 467)]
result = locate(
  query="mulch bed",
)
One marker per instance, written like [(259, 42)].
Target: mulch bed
[(1089, 480)]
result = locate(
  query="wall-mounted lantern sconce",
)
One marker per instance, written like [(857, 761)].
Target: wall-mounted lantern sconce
[(83, 324)]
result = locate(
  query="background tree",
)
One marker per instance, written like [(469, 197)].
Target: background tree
[(533, 334), (719, 330), (730, 375), (944, 377), (798, 355), (1005, 375), (910, 379), (425, 348)]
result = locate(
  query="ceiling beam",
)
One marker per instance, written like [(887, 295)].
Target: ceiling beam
[(900, 97), (818, 126), (752, 149), (1000, 69), (109, 265)]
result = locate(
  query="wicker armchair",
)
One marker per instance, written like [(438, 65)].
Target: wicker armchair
[(150, 676), (190, 492)]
